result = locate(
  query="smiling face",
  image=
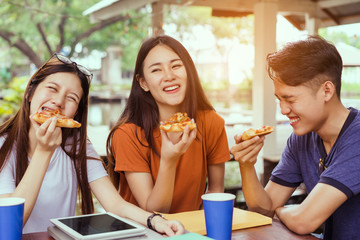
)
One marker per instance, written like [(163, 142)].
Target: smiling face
[(60, 90), (302, 105), (165, 77)]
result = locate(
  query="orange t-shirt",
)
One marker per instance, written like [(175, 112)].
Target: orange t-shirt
[(210, 147)]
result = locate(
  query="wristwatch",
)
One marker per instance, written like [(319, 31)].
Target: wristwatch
[(150, 218)]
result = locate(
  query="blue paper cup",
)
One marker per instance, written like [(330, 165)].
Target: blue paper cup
[(218, 210), (11, 218)]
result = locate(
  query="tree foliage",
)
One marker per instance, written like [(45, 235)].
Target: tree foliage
[(13, 94), (340, 36), (37, 28), (32, 30)]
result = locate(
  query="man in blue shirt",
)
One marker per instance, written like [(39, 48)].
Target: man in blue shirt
[(323, 151)]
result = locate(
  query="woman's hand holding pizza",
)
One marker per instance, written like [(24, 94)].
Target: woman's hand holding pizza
[(172, 150), (49, 137)]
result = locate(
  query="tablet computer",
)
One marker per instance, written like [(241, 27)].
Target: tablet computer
[(98, 226), (58, 234)]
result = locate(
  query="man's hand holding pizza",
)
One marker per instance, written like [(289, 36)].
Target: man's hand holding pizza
[(248, 145), (246, 152)]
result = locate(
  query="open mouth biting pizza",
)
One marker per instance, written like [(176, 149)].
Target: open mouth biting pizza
[(177, 123), (250, 133), (62, 120)]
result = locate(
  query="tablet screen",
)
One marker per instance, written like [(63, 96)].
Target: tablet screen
[(95, 224)]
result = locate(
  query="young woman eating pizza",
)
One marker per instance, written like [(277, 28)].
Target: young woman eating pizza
[(46, 164), (167, 171)]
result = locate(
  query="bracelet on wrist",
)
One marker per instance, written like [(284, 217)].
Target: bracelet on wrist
[(150, 218)]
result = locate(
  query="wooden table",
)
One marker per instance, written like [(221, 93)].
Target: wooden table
[(275, 231)]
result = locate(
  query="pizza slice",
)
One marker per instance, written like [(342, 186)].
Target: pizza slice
[(177, 123), (62, 120), (250, 133)]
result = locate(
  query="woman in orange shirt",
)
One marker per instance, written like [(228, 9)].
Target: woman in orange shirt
[(165, 171)]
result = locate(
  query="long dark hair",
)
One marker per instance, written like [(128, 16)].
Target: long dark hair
[(16, 131), (141, 108)]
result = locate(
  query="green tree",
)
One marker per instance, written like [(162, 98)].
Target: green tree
[(13, 94), (36, 29), (338, 36)]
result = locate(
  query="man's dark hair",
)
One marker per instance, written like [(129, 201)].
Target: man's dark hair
[(309, 62)]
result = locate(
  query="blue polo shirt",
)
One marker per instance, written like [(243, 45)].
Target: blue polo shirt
[(300, 163)]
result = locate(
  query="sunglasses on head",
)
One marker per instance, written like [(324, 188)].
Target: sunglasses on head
[(67, 60)]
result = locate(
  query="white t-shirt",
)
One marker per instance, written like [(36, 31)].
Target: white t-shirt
[(58, 192)]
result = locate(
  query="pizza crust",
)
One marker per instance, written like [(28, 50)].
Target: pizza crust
[(250, 133)]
